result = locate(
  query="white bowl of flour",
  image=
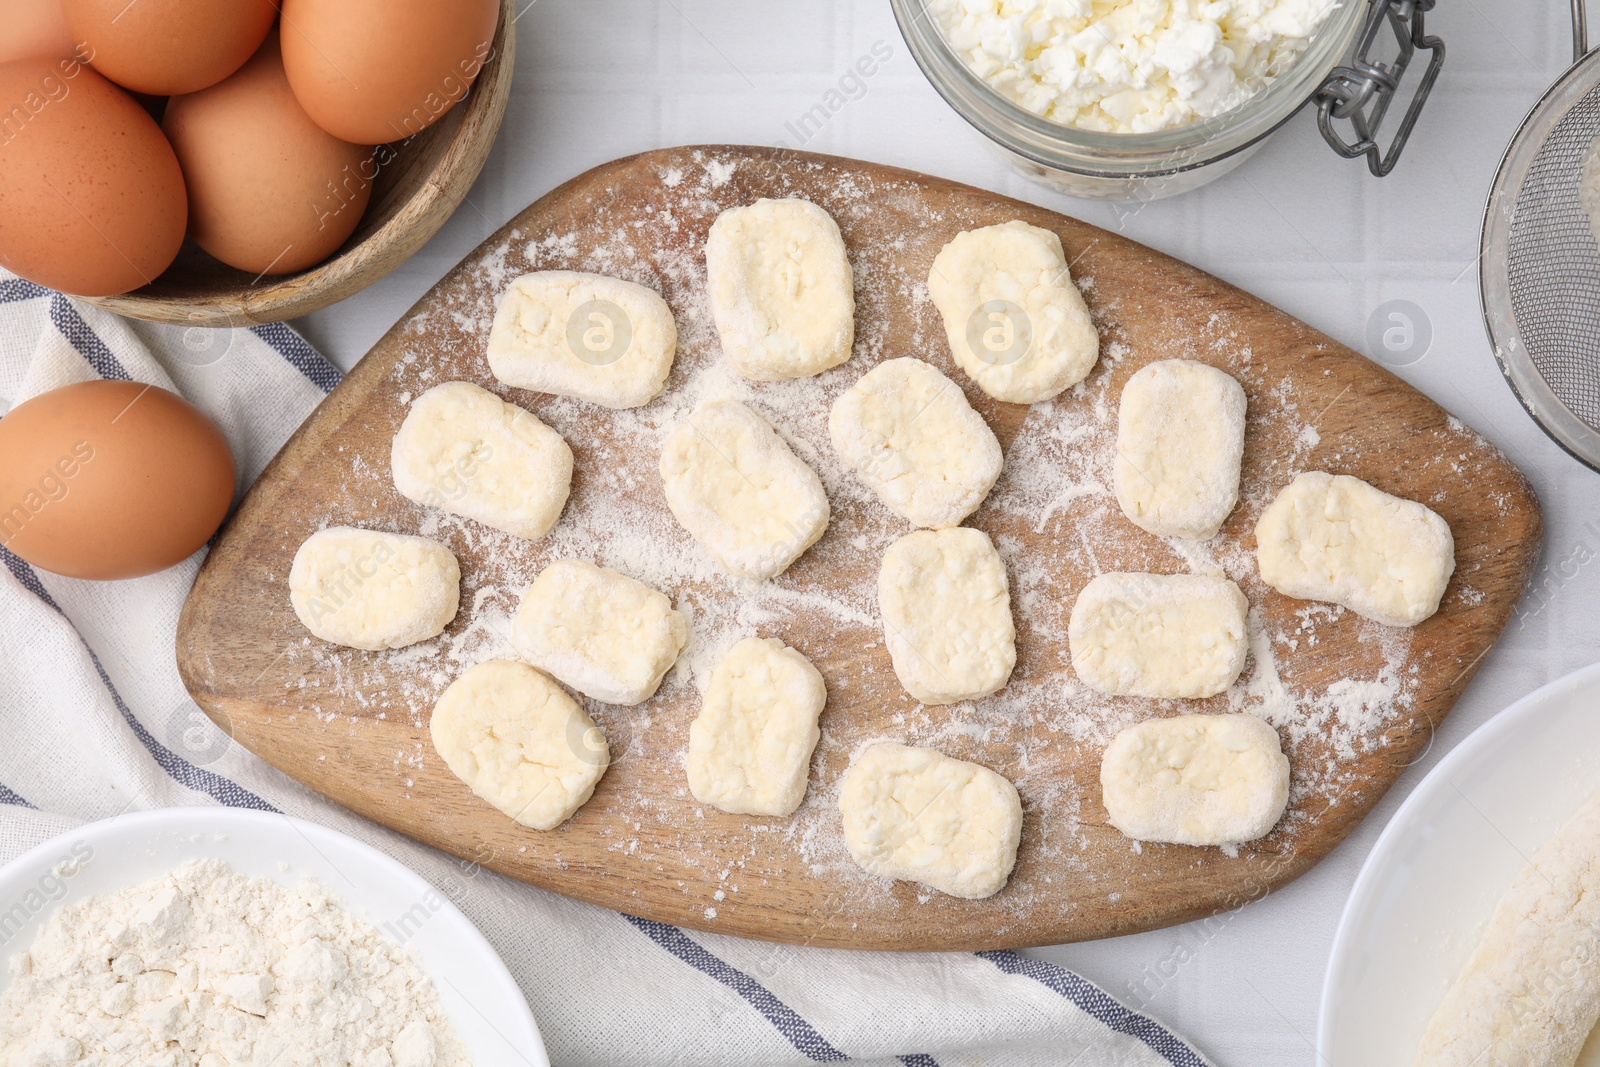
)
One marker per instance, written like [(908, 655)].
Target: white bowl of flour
[(1448, 856), (365, 949)]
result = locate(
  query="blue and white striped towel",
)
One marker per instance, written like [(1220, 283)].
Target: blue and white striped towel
[(97, 723)]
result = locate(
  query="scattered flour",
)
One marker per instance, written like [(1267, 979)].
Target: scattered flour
[(208, 968), (1051, 516)]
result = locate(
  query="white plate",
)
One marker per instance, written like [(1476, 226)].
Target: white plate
[(1444, 861), (478, 993)]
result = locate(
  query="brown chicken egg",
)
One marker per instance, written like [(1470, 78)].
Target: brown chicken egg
[(270, 191), (110, 479), (376, 71), (91, 198), (33, 29), (165, 47)]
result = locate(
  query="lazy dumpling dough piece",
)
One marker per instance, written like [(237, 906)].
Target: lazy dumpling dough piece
[(1180, 443), (604, 634), (750, 747), (1196, 780), (1159, 635), (466, 451), (372, 590), (782, 294), (910, 434), (919, 815), (599, 339), (1336, 538), (1016, 323), (946, 608), (519, 742), (1529, 995), (740, 491)]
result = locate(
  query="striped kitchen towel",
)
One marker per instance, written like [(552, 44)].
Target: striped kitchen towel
[(97, 723)]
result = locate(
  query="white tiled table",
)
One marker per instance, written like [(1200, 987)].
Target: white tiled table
[(1314, 234)]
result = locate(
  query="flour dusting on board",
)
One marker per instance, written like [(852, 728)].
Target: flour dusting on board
[(1053, 516)]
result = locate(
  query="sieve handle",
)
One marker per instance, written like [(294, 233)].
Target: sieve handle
[(1360, 92), (1580, 30)]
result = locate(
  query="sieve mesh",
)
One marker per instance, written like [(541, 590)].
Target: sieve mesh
[(1553, 264)]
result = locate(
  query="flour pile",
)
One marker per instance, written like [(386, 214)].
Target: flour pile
[(208, 968)]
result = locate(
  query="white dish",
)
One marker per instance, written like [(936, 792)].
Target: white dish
[(478, 993), (1446, 858)]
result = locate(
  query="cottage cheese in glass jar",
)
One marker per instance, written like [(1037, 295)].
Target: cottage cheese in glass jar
[(1138, 99)]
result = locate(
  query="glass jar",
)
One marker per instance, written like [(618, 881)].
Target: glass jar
[(1148, 166)]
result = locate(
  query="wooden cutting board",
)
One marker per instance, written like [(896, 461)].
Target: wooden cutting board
[(1354, 702)]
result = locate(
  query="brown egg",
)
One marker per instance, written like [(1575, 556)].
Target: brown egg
[(165, 47), (270, 191), (33, 29), (91, 197), (110, 480), (375, 71)]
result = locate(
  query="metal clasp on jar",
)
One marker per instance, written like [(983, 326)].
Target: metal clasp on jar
[(1361, 92)]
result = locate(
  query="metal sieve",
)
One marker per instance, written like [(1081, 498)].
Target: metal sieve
[(1539, 260)]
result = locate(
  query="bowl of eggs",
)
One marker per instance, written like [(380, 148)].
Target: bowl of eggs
[(235, 162)]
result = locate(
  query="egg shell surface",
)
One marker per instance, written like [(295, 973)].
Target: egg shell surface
[(33, 29), (166, 47), (92, 201), (377, 71), (110, 479), (270, 191)]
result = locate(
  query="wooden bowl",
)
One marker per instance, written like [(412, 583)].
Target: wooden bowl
[(416, 190)]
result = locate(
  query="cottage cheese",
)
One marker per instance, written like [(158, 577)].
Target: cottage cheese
[(1129, 66)]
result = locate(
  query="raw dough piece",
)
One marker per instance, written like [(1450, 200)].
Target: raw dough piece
[(750, 747), (602, 633), (782, 294), (1180, 442), (1196, 780), (465, 450), (1336, 538), (519, 742), (1529, 995), (373, 590), (1016, 323), (1159, 635), (910, 434), (917, 814), (946, 608), (599, 339), (738, 489)]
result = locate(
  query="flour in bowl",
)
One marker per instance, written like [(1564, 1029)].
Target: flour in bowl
[(205, 967)]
